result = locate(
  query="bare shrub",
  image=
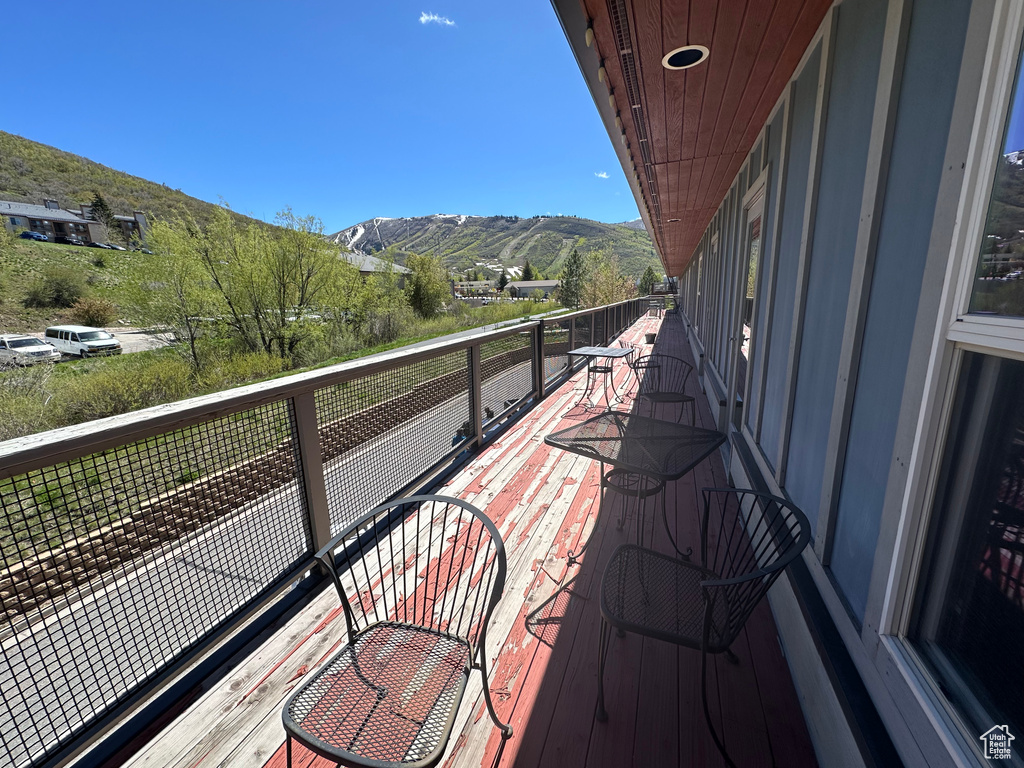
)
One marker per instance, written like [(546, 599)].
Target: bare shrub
[(95, 312)]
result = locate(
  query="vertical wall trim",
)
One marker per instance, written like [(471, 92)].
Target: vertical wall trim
[(757, 189), (772, 258), (883, 126), (807, 236)]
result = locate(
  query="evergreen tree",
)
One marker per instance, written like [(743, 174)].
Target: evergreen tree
[(502, 281), (101, 212), (647, 281), (529, 273), (571, 289)]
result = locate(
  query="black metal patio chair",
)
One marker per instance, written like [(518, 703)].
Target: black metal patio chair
[(418, 579), (663, 380), (746, 540), (628, 390)]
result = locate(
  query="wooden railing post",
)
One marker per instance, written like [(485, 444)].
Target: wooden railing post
[(312, 469), (476, 394), (538, 362), (572, 343)]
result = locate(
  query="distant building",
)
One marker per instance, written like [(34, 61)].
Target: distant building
[(49, 219), (476, 287), (522, 289), (52, 220), (132, 227), (368, 265)]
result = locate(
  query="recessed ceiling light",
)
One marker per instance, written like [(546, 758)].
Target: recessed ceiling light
[(671, 220), (685, 57)]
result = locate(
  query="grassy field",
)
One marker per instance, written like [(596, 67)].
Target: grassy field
[(103, 272)]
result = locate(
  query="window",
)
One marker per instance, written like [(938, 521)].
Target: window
[(966, 617), (970, 620), (999, 279)]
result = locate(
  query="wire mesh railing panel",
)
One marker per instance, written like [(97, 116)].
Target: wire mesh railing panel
[(119, 562), (581, 335), (506, 373), (381, 431), (600, 337), (556, 348)]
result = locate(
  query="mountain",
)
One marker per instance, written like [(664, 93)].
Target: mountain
[(490, 243), (30, 172), (637, 223)]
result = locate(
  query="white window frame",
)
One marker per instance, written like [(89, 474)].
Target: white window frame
[(956, 332)]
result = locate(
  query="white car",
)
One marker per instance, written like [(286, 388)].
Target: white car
[(19, 349)]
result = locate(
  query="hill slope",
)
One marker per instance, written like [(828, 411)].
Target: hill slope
[(493, 242), (30, 172)]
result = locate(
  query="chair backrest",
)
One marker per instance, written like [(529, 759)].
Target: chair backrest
[(662, 373), (430, 561), (632, 350), (747, 539)]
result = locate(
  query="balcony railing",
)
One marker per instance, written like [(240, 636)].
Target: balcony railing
[(135, 544)]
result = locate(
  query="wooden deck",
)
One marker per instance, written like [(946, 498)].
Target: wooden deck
[(542, 640)]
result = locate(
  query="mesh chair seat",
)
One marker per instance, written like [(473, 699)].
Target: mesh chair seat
[(389, 697), (649, 593), (666, 397)]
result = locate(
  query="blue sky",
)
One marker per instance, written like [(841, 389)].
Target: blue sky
[(345, 110)]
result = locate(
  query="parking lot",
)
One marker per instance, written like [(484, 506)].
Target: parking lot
[(132, 339)]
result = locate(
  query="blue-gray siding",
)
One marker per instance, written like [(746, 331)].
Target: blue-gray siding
[(798, 159), (934, 50), (858, 46)]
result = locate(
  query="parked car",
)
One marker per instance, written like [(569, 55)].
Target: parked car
[(69, 240), (115, 247), (30, 235), (82, 341), (19, 349), (94, 244)]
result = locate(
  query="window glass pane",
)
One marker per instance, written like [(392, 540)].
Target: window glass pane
[(970, 621), (999, 280)]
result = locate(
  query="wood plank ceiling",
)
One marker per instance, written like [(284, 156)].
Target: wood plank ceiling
[(689, 131)]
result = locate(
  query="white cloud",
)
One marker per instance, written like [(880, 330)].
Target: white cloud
[(444, 21), (602, 175)]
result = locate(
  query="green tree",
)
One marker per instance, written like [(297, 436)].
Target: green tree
[(173, 290), (427, 287), (605, 283), (529, 273), (382, 311), (647, 281), (272, 291), (502, 281), (570, 291), (104, 216)]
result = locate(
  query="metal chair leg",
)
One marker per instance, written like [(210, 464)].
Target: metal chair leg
[(707, 710), (602, 653), (505, 728), (288, 749)]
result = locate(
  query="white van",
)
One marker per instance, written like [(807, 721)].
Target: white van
[(82, 341)]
